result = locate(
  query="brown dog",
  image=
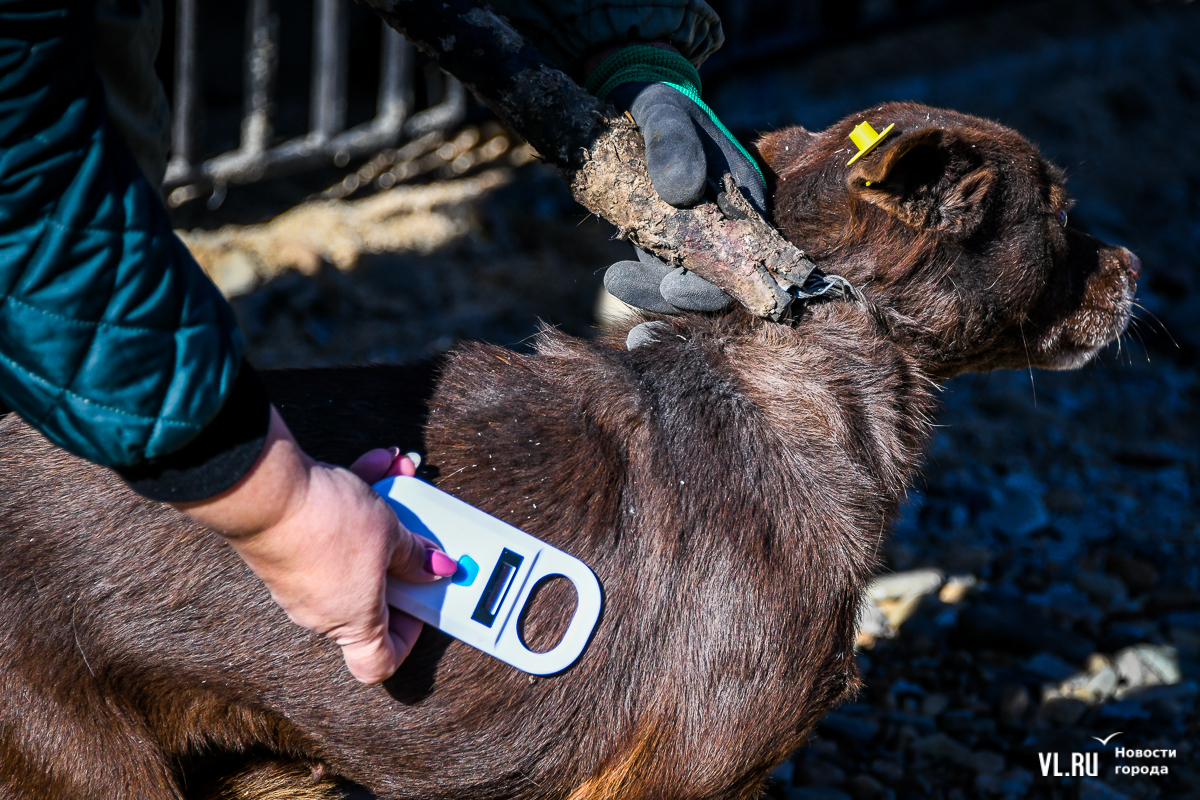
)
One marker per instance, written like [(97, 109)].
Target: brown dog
[(729, 485)]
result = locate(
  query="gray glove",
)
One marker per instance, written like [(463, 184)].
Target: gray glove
[(650, 284), (688, 153)]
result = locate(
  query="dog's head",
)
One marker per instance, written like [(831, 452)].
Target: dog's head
[(956, 227)]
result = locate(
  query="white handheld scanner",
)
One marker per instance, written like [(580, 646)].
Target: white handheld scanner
[(498, 567)]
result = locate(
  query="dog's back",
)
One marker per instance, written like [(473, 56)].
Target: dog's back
[(658, 467)]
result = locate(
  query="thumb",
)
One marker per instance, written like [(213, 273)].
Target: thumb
[(403, 629), (373, 659)]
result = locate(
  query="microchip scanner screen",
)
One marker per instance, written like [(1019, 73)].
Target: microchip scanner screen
[(497, 587)]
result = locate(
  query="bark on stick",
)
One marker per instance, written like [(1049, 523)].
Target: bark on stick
[(598, 151)]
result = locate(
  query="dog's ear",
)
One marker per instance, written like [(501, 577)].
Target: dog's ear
[(777, 150), (930, 179)]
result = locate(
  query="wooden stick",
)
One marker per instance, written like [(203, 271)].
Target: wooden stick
[(599, 153)]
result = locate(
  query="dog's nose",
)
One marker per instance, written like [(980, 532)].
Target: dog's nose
[(1133, 265)]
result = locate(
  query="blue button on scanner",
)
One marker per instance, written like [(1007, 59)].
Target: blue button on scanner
[(466, 572)]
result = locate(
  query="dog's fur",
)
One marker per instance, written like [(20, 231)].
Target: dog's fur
[(729, 484)]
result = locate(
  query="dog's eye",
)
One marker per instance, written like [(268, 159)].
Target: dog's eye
[(1062, 218)]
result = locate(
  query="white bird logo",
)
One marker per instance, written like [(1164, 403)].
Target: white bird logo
[(1108, 738)]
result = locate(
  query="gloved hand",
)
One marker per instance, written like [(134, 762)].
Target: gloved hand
[(688, 152)]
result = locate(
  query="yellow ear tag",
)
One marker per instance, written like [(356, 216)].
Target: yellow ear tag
[(866, 139)]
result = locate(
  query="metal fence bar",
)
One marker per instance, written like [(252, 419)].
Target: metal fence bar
[(395, 80), (262, 29), (326, 142), (444, 115), (328, 105), (184, 114)]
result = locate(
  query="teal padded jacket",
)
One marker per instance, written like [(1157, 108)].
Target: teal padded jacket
[(113, 341)]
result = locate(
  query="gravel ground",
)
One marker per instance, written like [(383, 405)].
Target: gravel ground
[(1044, 579), (1047, 579)]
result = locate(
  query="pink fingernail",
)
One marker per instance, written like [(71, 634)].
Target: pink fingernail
[(439, 564), (402, 464)]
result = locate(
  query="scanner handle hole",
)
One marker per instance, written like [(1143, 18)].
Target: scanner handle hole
[(547, 613)]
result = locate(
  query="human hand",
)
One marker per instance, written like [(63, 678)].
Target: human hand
[(688, 153), (322, 541)]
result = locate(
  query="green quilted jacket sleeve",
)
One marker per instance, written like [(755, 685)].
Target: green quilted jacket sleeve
[(570, 31), (113, 342)]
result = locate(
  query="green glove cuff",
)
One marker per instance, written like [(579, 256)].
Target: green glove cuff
[(642, 63)]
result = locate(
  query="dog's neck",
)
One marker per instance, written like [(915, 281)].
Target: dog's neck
[(898, 314), (834, 373)]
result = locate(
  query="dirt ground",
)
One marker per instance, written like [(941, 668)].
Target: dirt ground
[(1046, 585)]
